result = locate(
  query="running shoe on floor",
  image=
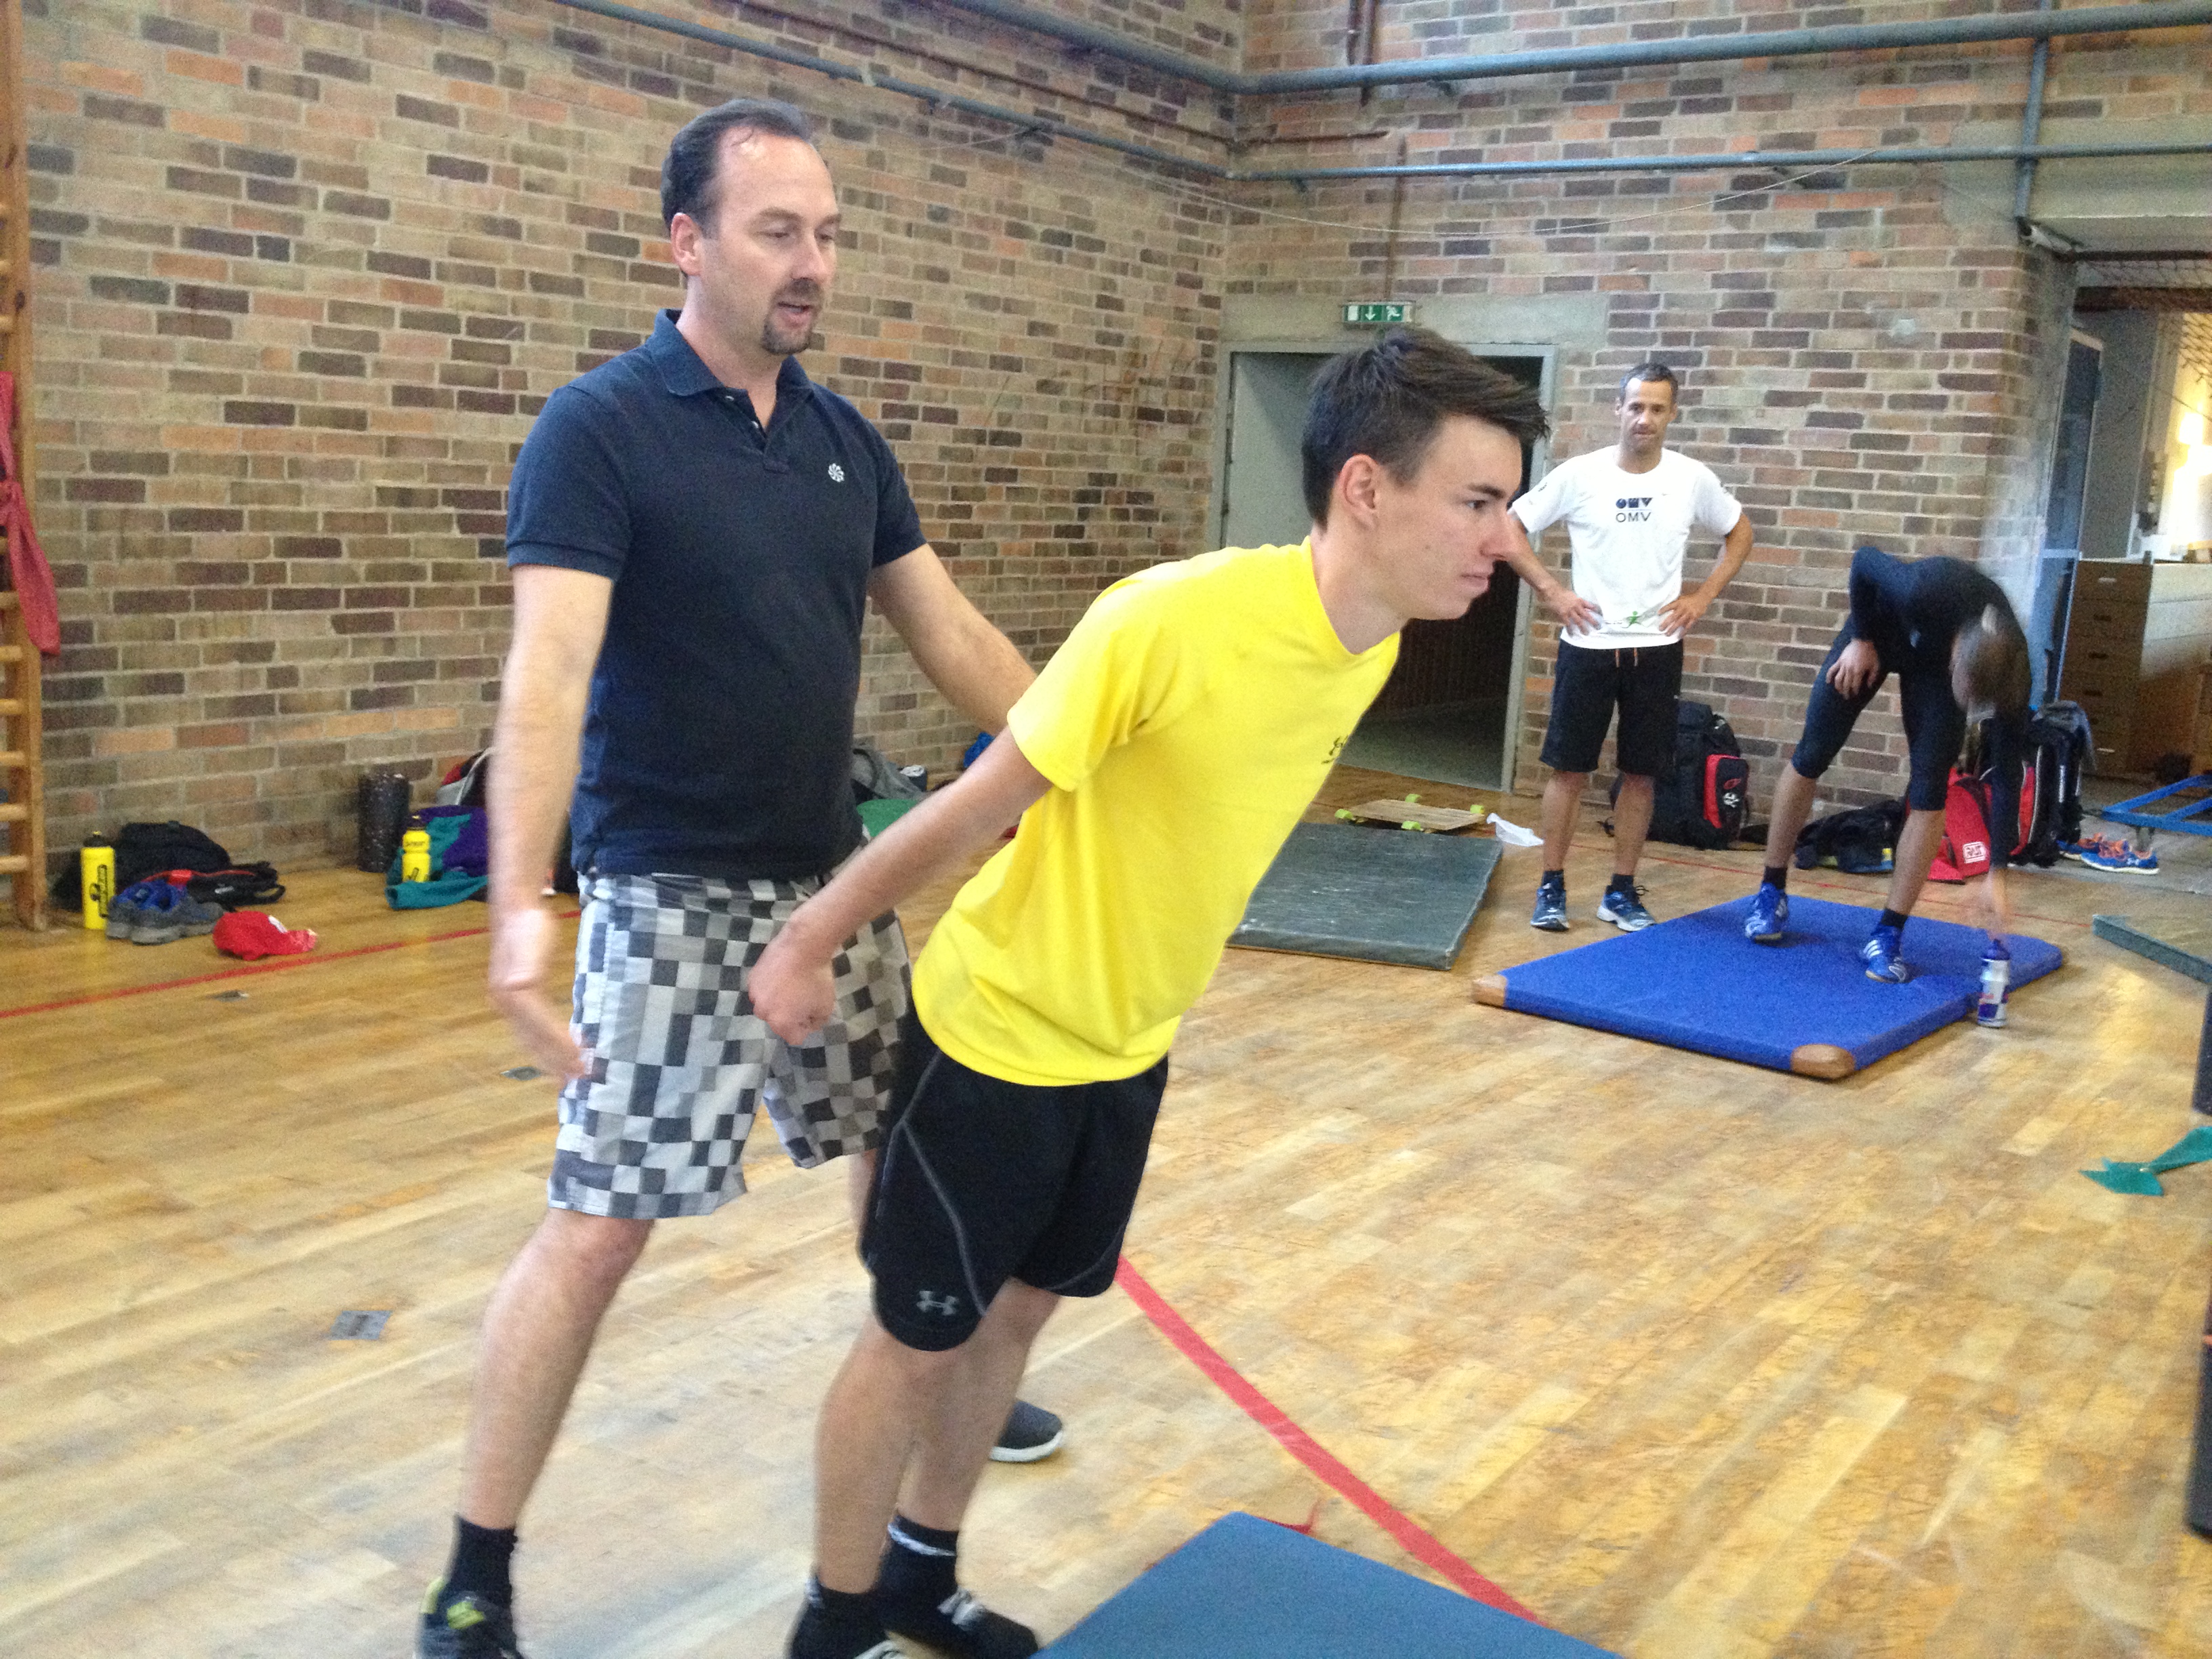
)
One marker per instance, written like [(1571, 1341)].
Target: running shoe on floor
[(123, 909), (1882, 955), (1625, 910), (1769, 915), (2120, 857), (468, 1627), (1031, 1433), (1550, 912)]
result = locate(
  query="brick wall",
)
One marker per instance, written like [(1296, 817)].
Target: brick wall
[(307, 269), (1869, 350)]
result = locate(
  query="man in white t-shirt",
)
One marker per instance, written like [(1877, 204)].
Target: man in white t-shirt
[(1629, 511)]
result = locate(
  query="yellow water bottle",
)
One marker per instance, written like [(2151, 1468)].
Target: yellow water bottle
[(96, 876), (415, 854)]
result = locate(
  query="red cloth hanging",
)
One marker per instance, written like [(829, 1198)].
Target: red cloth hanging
[(32, 577)]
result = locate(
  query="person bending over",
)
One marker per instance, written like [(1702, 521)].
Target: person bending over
[(1949, 633)]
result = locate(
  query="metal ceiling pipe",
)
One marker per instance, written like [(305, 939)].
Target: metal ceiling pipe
[(930, 95), (1732, 162), (1108, 43), (1638, 54), (1023, 122)]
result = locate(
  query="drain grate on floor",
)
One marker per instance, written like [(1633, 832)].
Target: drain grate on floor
[(359, 1325)]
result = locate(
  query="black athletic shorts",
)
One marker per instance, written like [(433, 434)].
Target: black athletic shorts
[(981, 1180), (1934, 725), (1641, 682)]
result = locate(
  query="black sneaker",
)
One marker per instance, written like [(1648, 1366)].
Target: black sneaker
[(960, 1625), (470, 1627), (1031, 1433)]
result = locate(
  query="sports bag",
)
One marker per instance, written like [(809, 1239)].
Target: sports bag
[(1704, 800), (1860, 843)]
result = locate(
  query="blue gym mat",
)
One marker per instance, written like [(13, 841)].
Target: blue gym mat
[(1246, 1589), (1803, 1005), (1372, 894)]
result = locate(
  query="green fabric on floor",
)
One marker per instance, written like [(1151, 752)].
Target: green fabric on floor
[(2127, 1178), (877, 816), (2120, 1177)]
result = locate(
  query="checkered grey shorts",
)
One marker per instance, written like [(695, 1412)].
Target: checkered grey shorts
[(678, 1059)]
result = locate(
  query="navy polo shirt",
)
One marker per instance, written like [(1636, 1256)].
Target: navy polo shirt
[(718, 740)]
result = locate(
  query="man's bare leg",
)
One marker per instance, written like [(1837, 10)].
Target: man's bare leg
[(1631, 821), (1793, 805), (954, 1438), (537, 1332), (1563, 794)]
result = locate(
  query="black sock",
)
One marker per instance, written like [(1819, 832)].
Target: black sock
[(835, 1624), (1623, 884), (1776, 876), (921, 1564), (918, 1593), (483, 1557), (1893, 919), (1553, 879)]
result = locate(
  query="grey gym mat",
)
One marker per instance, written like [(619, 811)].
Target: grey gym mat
[(1375, 895), (2183, 944)]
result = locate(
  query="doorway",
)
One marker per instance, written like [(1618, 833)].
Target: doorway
[(1448, 709)]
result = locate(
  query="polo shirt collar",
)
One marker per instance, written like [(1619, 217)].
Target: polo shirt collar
[(685, 373)]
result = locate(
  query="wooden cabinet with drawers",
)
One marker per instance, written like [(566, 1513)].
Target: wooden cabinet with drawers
[(2104, 654), (2136, 640)]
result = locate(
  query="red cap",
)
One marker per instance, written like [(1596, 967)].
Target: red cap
[(252, 934)]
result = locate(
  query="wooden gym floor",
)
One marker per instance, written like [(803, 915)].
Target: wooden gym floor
[(1692, 1359)]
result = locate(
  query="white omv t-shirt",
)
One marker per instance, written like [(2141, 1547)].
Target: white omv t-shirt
[(1628, 530)]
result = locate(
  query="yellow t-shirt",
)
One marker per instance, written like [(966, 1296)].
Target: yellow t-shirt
[(1189, 719)]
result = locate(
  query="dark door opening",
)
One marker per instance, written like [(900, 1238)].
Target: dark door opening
[(1444, 713)]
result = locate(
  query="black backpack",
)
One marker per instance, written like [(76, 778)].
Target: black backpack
[(1704, 800), (2059, 738), (2055, 745)]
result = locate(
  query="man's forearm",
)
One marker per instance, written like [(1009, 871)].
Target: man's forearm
[(949, 826), (1735, 551), (533, 773), (1521, 555)]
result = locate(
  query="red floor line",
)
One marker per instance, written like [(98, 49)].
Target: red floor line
[(1423, 1545), (275, 965)]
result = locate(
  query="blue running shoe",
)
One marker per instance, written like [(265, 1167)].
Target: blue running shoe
[(1768, 916), (2118, 854), (1883, 955), (123, 909), (160, 917), (1551, 914), (1625, 910)]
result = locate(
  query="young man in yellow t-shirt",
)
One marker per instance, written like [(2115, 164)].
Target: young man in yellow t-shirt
[(1156, 767)]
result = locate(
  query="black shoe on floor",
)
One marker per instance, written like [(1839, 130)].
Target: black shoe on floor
[(467, 1627), (1031, 1433), (960, 1625)]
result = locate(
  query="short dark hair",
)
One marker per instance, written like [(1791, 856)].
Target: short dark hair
[(1993, 659), (1386, 400), (1648, 371), (687, 176)]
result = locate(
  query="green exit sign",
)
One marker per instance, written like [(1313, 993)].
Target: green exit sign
[(1378, 313)]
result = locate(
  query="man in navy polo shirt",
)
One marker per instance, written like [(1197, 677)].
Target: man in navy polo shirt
[(695, 530)]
